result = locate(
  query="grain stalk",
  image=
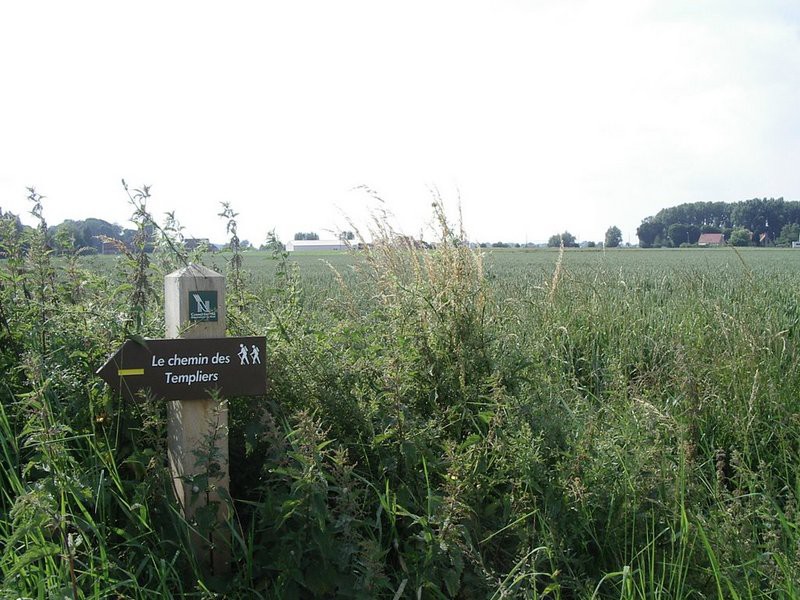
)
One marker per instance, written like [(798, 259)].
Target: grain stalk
[(556, 274)]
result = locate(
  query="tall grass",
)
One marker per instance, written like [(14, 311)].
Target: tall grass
[(440, 423)]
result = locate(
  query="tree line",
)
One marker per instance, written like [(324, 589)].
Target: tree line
[(86, 235), (758, 221), (613, 239)]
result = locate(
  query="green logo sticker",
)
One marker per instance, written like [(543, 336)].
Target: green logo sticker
[(203, 306)]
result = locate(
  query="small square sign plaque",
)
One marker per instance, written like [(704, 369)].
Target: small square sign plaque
[(203, 305)]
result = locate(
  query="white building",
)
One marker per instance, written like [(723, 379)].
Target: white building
[(301, 245)]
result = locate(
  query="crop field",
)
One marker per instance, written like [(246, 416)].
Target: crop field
[(446, 423)]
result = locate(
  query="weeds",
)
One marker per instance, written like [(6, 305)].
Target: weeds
[(440, 423)]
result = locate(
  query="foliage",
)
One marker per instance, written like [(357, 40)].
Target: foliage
[(235, 263), (764, 217), (273, 243), (680, 233), (715, 214), (11, 229), (439, 423), (88, 234), (613, 237), (789, 233), (650, 233), (306, 235), (740, 237), (565, 239)]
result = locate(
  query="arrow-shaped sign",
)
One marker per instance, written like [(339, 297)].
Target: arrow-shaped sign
[(188, 369)]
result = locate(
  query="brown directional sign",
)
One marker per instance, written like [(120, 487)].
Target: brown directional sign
[(187, 369)]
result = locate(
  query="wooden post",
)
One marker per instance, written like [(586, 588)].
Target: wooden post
[(189, 314)]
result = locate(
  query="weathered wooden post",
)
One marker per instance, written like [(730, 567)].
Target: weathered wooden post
[(194, 307), (195, 370)]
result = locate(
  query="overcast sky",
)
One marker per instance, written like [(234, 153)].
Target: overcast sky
[(539, 116)]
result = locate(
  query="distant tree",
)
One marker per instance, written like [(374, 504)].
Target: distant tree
[(650, 233), (613, 237), (310, 235), (64, 241), (85, 234), (696, 213), (680, 234), (763, 216), (591, 245), (758, 215), (677, 233), (92, 228), (499, 245), (789, 233), (347, 235), (566, 238), (740, 237), (66, 236)]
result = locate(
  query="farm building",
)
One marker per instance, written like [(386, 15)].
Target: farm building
[(711, 239), (300, 245)]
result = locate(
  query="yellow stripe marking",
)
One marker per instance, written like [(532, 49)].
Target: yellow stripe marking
[(123, 372)]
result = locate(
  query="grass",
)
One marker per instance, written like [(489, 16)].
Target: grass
[(449, 423)]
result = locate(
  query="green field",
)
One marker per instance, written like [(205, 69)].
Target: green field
[(439, 424)]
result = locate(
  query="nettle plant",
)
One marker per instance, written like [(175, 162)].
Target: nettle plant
[(439, 423)]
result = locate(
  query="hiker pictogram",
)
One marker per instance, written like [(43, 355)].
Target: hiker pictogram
[(176, 369)]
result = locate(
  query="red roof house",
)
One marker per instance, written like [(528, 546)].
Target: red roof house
[(711, 239)]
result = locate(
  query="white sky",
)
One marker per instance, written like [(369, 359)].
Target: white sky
[(539, 115)]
